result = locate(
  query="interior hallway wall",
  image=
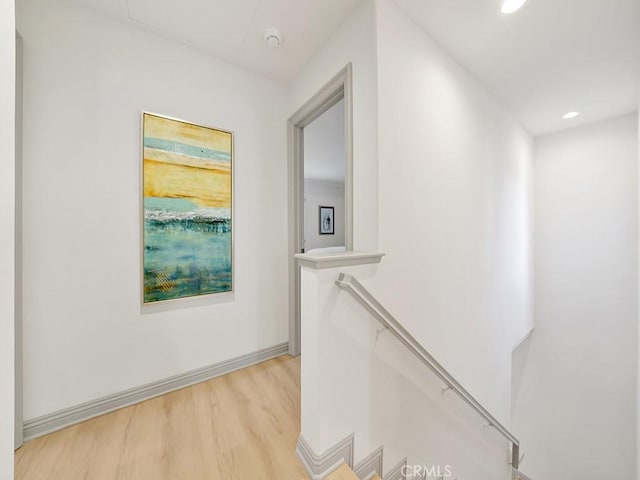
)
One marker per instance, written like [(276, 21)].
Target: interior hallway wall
[(455, 210), (453, 172), (576, 405), (7, 232), (354, 42), (87, 80)]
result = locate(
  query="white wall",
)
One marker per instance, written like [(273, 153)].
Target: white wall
[(7, 229), (576, 406), (455, 210), (454, 182), (354, 43), (87, 80), (317, 193)]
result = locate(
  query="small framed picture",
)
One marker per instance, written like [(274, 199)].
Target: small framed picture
[(326, 220)]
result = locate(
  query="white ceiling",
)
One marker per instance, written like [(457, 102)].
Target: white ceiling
[(233, 30), (549, 58), (324, 146)]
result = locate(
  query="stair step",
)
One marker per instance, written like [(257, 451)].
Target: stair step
[(343, 473)]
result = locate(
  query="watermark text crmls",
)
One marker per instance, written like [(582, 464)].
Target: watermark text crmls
[(427, 471)]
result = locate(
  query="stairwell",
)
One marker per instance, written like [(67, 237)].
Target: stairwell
[(367, 380)]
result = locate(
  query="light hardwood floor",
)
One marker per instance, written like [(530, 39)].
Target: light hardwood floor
[(345, 473), (242, 426)]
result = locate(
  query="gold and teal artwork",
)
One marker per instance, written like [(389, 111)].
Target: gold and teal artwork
[(187, 194)]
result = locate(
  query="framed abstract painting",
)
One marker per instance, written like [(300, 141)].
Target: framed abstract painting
[(187, 190)]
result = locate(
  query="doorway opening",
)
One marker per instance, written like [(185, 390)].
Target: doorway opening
[(333, 102), (324, 182)]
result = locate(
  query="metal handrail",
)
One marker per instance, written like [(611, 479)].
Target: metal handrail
[(360, 293)]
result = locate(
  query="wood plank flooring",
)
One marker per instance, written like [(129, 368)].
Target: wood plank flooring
[(242, 426), (342, 473)]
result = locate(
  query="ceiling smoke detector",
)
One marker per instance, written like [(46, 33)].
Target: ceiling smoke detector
[(272, 37)]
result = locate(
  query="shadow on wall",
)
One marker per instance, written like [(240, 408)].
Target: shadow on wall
[(518, 362)]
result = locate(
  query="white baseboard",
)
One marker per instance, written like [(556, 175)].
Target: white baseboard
[(397, 472), (370, 466), (318, 466), (51, 422)]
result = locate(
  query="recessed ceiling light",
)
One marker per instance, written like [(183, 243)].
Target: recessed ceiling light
[(570, 115), (510, 6)]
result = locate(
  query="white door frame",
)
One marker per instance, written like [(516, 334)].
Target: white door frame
[(18, 416), (339, 87)]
